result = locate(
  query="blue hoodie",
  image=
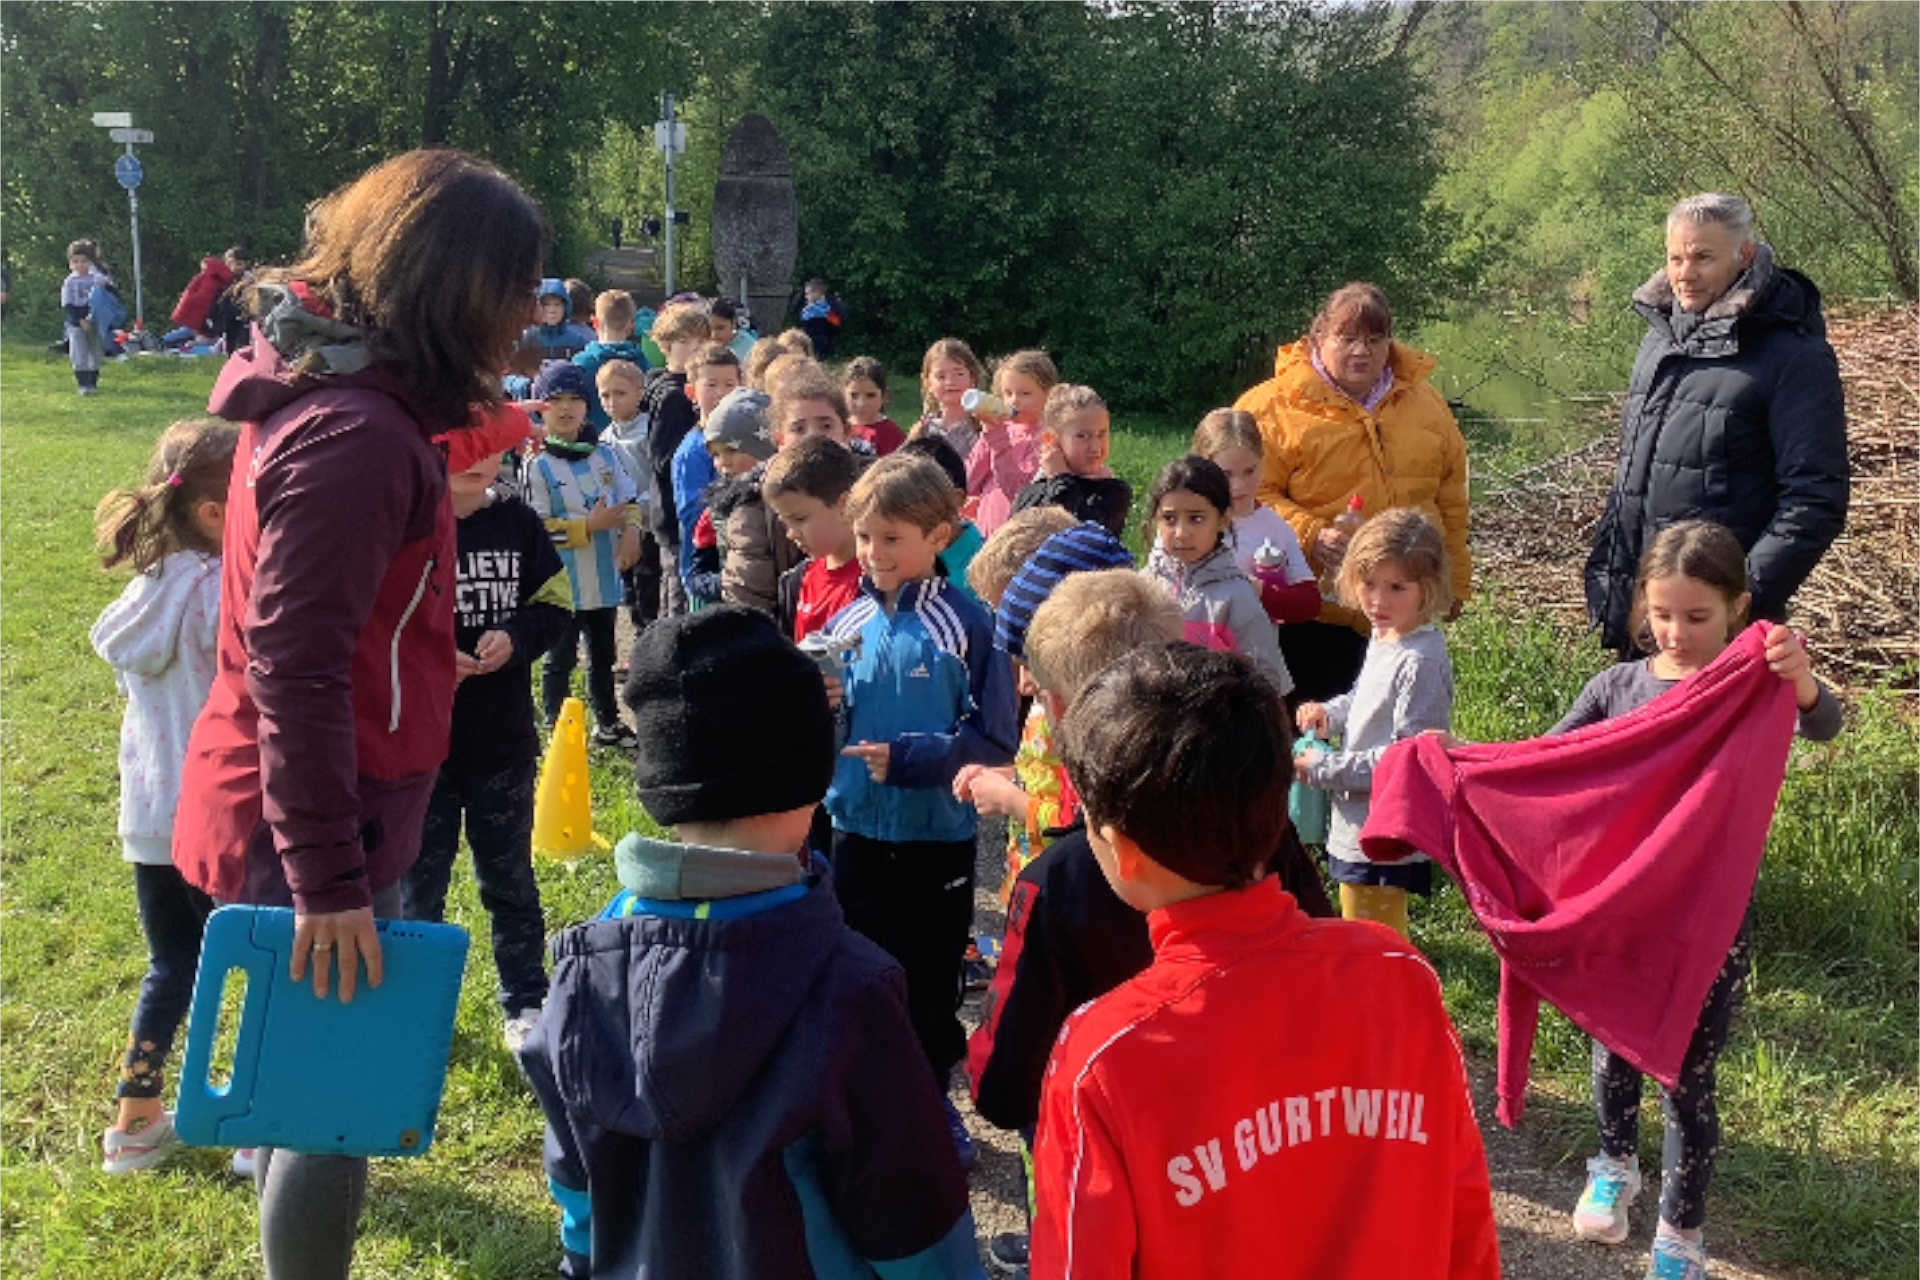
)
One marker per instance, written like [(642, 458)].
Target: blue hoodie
[(733, 1089)]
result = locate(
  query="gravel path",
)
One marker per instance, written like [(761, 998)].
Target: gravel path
[(1531, 1198)]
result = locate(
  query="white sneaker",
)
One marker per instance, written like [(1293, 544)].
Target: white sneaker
[(1601, 1215), (242, 1165), (125, 1152), (518, 1027)]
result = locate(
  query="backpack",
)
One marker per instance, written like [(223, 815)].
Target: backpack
[(108, 312)]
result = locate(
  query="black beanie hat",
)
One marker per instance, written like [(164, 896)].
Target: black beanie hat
[(732, 718)]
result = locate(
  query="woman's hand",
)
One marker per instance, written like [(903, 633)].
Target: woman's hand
[(1330, 548), (1787, 658), (337, 938), (1311, 717)]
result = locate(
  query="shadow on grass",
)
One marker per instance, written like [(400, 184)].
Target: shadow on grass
[(440, 1214)]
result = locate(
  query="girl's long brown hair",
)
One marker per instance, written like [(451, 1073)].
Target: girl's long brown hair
[(146, 523), (436, 253)]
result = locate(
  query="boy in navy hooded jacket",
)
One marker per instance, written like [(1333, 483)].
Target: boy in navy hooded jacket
[(557, 335), (731, 1082)]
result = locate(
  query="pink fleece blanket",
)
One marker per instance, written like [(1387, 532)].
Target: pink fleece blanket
[(1610, 866)]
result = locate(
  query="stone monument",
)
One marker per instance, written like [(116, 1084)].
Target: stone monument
[(756, 221)]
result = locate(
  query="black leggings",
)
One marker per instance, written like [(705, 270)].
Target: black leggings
[(1693, 1113), (173, 915), (556, 681)]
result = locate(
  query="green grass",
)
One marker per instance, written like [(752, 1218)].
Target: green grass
[(1817, 1169)]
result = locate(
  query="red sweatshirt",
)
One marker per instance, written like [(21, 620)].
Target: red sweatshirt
[(824, 591), (1610, 866), (1275, 1096)]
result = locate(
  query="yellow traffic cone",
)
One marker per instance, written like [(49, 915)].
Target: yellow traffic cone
[(563, 802)]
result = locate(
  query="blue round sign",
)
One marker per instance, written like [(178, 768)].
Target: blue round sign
[(127, 170)]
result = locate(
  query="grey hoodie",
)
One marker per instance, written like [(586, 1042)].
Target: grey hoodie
[(1222, 609), (160, 637)]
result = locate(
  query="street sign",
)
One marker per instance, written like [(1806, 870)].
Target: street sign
[(113, 119), (127, 169), (139, 136), (676, 131)]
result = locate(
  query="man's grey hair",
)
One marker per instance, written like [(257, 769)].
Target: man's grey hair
[(1731, 212)]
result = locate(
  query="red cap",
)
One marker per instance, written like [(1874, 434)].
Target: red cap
[(487, 432)]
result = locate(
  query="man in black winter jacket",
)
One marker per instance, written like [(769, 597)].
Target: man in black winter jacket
[(1734, 414)]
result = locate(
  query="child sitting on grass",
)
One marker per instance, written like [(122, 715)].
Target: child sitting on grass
[(719, 1049), (927, 695), (1235, 1073), (1074, 446)]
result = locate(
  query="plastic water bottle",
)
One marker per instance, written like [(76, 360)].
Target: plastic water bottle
[(983, 404), (1269, 556), (833, 659), (1346, 522)]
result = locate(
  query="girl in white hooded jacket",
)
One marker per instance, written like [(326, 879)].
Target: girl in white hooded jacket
[(160, 638), (1190, 521)]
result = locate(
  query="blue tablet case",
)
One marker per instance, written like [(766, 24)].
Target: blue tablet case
[(361, 1079)]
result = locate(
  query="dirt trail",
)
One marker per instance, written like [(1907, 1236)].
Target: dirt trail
[(1532, 1196)]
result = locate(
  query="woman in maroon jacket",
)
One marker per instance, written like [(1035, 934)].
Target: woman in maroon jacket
[(308, 773)]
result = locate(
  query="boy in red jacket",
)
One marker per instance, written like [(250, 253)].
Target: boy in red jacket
[(1225, 1113)]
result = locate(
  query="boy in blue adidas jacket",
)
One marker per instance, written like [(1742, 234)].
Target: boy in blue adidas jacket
[(927, 694)]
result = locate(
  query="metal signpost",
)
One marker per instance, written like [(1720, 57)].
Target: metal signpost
[(127, 171), (670, 136)]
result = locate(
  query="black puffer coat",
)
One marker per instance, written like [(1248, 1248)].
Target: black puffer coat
[(1736, 418)]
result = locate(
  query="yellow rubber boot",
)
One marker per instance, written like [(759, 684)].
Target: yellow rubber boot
[(1378, 902)]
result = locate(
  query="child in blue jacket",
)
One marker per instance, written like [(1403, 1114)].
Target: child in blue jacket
[(728, 1072), (927, 694)]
